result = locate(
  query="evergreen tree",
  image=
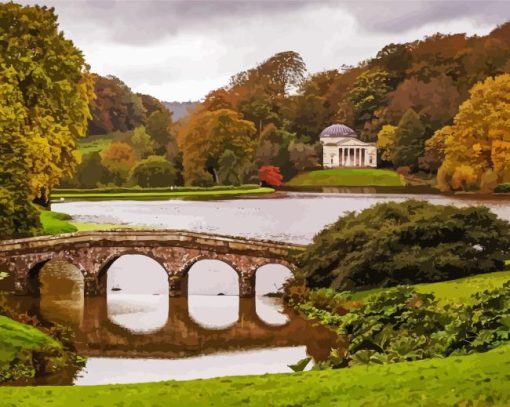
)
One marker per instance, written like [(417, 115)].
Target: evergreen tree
[(409, 140)]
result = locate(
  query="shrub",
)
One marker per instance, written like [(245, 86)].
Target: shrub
[(154, 171), (502, 188), (406, 243), (269, 175), (399, 324)]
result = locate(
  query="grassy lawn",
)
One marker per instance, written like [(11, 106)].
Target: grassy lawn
[(478, 379), (55, 223), (454, 291), (18, 340), (99, 144), (141, 195), (348, 177)]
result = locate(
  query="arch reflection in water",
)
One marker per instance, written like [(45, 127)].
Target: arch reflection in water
[(213, 294), (61, 292), (270, 280), (137, 294)]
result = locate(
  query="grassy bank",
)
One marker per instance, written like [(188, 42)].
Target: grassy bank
[(478, 379), (454, 291), (25, 349), (141, 194), (347, 177)]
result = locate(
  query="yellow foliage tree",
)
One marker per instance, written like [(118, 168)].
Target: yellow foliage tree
[(478, 143), (206, 135), (386, 142)]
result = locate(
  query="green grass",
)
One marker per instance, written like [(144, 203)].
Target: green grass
[(16, 338), (141, 195), (86, 227), (55, 223), (478, 379), (454, 291), (92, 146), (348, 177)]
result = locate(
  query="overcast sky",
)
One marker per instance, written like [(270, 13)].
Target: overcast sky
[(180, 50)]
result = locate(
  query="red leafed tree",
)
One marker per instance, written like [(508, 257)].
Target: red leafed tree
[(270, 175)]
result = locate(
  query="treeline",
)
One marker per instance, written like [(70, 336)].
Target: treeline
[(273, 114), (141, 148)]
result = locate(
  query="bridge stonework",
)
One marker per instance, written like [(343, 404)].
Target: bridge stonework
[(176, 251)]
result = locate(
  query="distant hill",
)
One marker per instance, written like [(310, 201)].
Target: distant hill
[(179, 109)]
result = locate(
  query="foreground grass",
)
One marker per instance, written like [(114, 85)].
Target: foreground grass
[(454, 291), (349, 177), (478, 379), (141, 195)]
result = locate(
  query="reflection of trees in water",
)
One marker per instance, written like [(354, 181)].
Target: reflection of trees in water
[(61, 292)]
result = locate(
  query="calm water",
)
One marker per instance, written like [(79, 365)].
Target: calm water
[(137, 333), (293, 217)]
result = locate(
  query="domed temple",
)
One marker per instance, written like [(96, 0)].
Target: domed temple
[(342, 148)]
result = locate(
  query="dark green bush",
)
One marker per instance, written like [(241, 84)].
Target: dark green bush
[(154, 171), (406, 243), (502, 188)]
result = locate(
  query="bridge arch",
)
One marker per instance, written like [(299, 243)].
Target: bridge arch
[(101, 276), (32, 282)]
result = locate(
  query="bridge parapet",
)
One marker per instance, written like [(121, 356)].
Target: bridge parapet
[(93, 252)]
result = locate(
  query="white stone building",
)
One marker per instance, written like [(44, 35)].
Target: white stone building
[(342, 148)]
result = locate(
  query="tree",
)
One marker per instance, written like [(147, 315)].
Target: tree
[(229, 170), (478, 141), (154, 171), (115, 108), (142, 142), (91, 172), (386, 142), (409, 141), (368, 94), (18, 217), (303, 156), (434, 150), (269, 175), (206, 135), (405, 243), (52, 84), (158, 127), (119, 157)]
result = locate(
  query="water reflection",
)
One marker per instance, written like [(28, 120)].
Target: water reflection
[(138, 313), (214, 312), (113, 371), (61, 292), (271, 310), (137, 294)]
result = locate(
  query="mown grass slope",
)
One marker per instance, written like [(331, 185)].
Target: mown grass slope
[(347, 177), (478, 379)]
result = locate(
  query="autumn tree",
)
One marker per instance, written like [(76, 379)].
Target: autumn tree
[(47, 91), (409, 141), (386, 142), (206, 135), (479, 143), (119, 157), (115, 108), (91, 172), (269, 175)]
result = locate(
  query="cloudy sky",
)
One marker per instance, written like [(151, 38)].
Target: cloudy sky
[(180, 50)]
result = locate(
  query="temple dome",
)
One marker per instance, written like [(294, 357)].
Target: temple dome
[(338, 130)]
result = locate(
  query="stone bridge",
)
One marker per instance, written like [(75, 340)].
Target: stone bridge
[(176, 251)]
